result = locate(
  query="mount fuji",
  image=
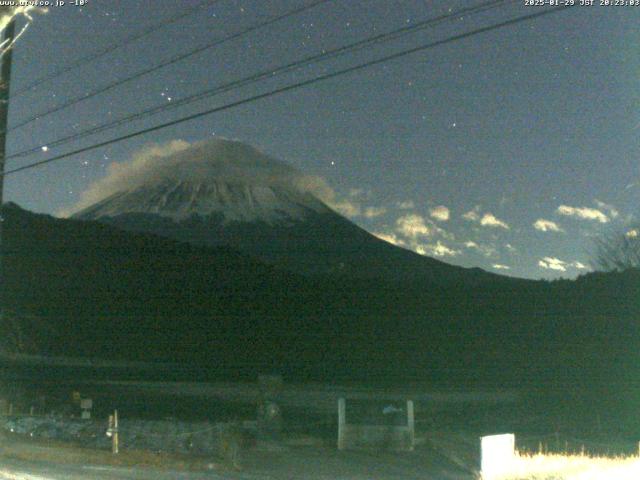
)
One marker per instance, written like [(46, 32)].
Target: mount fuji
[(223, 192)]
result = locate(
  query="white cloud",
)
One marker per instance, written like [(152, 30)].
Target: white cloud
[(184, 161), (584, 213), (472, 215), (319, 187), (489, 220), (349, 207), (553, 263), (440, 213), (441, 231), (613, 211), (121, 176), (633, 233), (391, 238), (408, 205), (485, 250), (441, 250), (486, 220), (510, 247), (372, 212), (345, 207), (437, 250), (499, 266), (413, 226), (546, 226)]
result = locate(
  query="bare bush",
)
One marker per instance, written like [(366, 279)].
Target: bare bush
[(618, 250)]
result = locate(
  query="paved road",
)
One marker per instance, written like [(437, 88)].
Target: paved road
[(303, 464), (21, 470)]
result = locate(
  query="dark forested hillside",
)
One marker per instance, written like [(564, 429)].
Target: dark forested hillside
[(109, 293)]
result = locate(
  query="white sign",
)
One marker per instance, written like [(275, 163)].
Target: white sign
[(498, 453)]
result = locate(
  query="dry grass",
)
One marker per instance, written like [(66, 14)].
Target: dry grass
[(569, 467), (22, 448)]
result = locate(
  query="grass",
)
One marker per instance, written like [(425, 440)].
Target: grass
[(546, 466)]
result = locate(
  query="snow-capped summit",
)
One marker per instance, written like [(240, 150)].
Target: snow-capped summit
[(218, 177)]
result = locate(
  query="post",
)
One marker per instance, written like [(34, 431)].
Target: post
[(342, 421), (269, 414), (114, 438), (5, 81), (411, 424)]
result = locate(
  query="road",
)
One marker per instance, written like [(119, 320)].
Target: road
[(301, 463), (21, 470)]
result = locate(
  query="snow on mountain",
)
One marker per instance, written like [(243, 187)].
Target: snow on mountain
[(222, 192), (219, 177)]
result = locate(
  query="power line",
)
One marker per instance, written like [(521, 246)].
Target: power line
[(171, 61), (293, 87), (101, 53), (271, 73)]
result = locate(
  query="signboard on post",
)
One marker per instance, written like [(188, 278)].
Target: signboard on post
[(86, 404), (364, 424)]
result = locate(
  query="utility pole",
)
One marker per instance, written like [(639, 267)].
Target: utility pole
[(5, 79)]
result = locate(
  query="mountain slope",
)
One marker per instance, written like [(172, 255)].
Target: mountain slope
[(226, 193), (112, 294)]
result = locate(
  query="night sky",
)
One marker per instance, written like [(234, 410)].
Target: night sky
[(510, 150)]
